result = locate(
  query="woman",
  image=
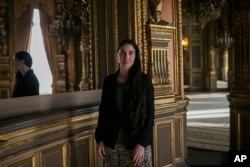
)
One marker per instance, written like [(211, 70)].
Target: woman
[(26, 82), (126, 113)]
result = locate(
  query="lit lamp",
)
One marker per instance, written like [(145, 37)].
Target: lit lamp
[(185, 43)]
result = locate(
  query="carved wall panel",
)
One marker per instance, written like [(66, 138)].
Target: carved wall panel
[(82, 151), (160, 66), (163, 143), (65, 138), (56, 140), (48, 155), (160, 53)]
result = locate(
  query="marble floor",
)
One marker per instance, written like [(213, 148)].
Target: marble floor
[(208, 107), (211, 108)]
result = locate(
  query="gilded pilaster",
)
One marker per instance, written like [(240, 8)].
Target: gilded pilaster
[(179, 59), (110, 28), (5, 76), (116, 31), (239, 96), (138, 18), (94, 42), (211, 76), (144, 36), (86, 82), (224, 68)]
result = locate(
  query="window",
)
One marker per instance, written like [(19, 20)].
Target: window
[(37, 50)]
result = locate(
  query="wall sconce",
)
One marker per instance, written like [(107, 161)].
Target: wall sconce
[(185, 43)]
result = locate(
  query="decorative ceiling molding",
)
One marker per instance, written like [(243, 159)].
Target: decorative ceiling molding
[(203, 10), (21, 5)]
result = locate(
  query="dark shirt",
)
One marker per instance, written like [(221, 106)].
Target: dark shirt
[(110, 120), (120, 91), (27, 85)]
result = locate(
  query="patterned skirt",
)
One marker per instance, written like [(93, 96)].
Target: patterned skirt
[(120, 157)]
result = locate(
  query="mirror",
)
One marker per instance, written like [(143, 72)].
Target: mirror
[(64, 30)]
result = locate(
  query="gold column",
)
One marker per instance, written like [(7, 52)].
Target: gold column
[(85, 48), (84, 83), (224, 68), (211, 76), (239, 96)]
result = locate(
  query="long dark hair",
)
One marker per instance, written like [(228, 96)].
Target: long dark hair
[(135, 90)]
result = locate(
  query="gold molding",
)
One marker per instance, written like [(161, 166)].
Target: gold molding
[(145, 53), (182, 145), (141, 21), (18, 162), (20, 137), (179, 76), (115, 33), (131, 22), (94, 42), (107, 35), (165, 107)]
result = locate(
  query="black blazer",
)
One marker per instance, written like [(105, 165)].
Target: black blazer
[(27, 85), (110, 120)]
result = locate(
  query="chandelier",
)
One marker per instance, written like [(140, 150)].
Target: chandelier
[(203, 10), (68, 21), (64, 28), (224, 40)]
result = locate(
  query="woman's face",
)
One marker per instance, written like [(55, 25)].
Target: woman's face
[(126, 57)]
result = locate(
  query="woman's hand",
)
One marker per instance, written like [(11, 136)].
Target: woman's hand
[(101, 150), (138, 155)]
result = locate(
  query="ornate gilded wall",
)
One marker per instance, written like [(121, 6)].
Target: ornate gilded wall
[(84, 58), (5, 64)]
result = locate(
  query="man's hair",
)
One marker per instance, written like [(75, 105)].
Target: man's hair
[(23, 55)]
